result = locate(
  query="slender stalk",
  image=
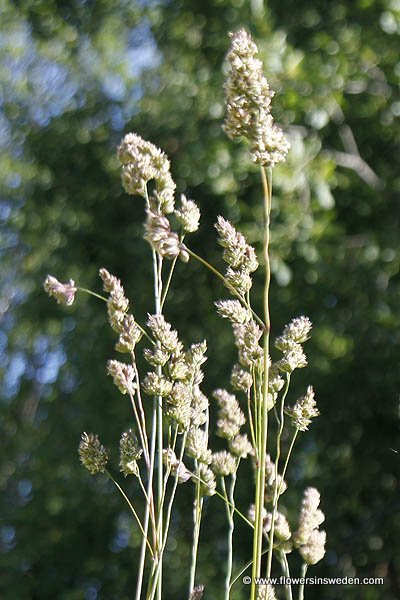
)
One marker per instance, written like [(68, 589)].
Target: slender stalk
[(231, 289), (288, 458), (244, 569), (197, 513), (81, 289), (262, 445), (217, 493), (156, 576), (276, 483), (304, 568), (133, 511), (230, 505), (142, 559), (286, 572)]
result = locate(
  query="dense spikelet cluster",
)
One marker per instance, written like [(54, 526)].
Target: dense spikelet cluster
[(188, 215), (129, 453), (208, 483), (233, 310), (176, 467), (197, 593), (117, 307), (281, 526), (164, 241), (265, 592), (246, 341), (270, 480), (308, 538), (123, 376), (92, 454), (64, 293), (239, 256), (248, 101), (304, 410), (223, 463), (230, 415), (289, 343), (179, 383), (142, 162)]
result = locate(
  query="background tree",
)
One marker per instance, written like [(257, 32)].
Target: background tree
[(74, 79)]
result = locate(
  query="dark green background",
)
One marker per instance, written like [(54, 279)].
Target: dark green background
[(76, 76)]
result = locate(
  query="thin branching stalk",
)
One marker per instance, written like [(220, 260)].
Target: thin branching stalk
[(197, 514), (142, 559), (263, 426), (276, 483), (156, 577), (286, 572), (231, 289), (304, 568), (133, 511), (230, 511)]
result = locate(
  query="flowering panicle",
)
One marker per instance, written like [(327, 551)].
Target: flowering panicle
[(143, 162), (304, 410), (163, 333), (281, 527), (246, 341), (265, 592), (197, 445), (308, 538), (164, 241), (64, 293), (92, 454), (240, 446), (208, 484), (230, 415), (117, 305), (248, 100), (197, 593), (123, 376), (270, 478), (240, 257), (178, 407), (157, 385), (223, 463), (241, 380), (188, 215), (177, 467), (294, 334), (233, 310), (129, 453)]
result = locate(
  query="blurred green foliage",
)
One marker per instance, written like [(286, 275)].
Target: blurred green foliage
[(77, 75)]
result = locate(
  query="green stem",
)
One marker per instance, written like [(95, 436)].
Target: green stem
[(276, 483), (80, 289), (286, 572), (197, 513), (230, 288), (150, 495), (230, 511), (131, 508), (156, 575), (260, 484), (304, 568), (287, 459)]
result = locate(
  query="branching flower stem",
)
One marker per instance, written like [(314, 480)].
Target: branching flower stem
[(286, 572), (231, 289), (304, 568), (119, 488), (197, 514), (266, 175), (276, 490), (230, 511)]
